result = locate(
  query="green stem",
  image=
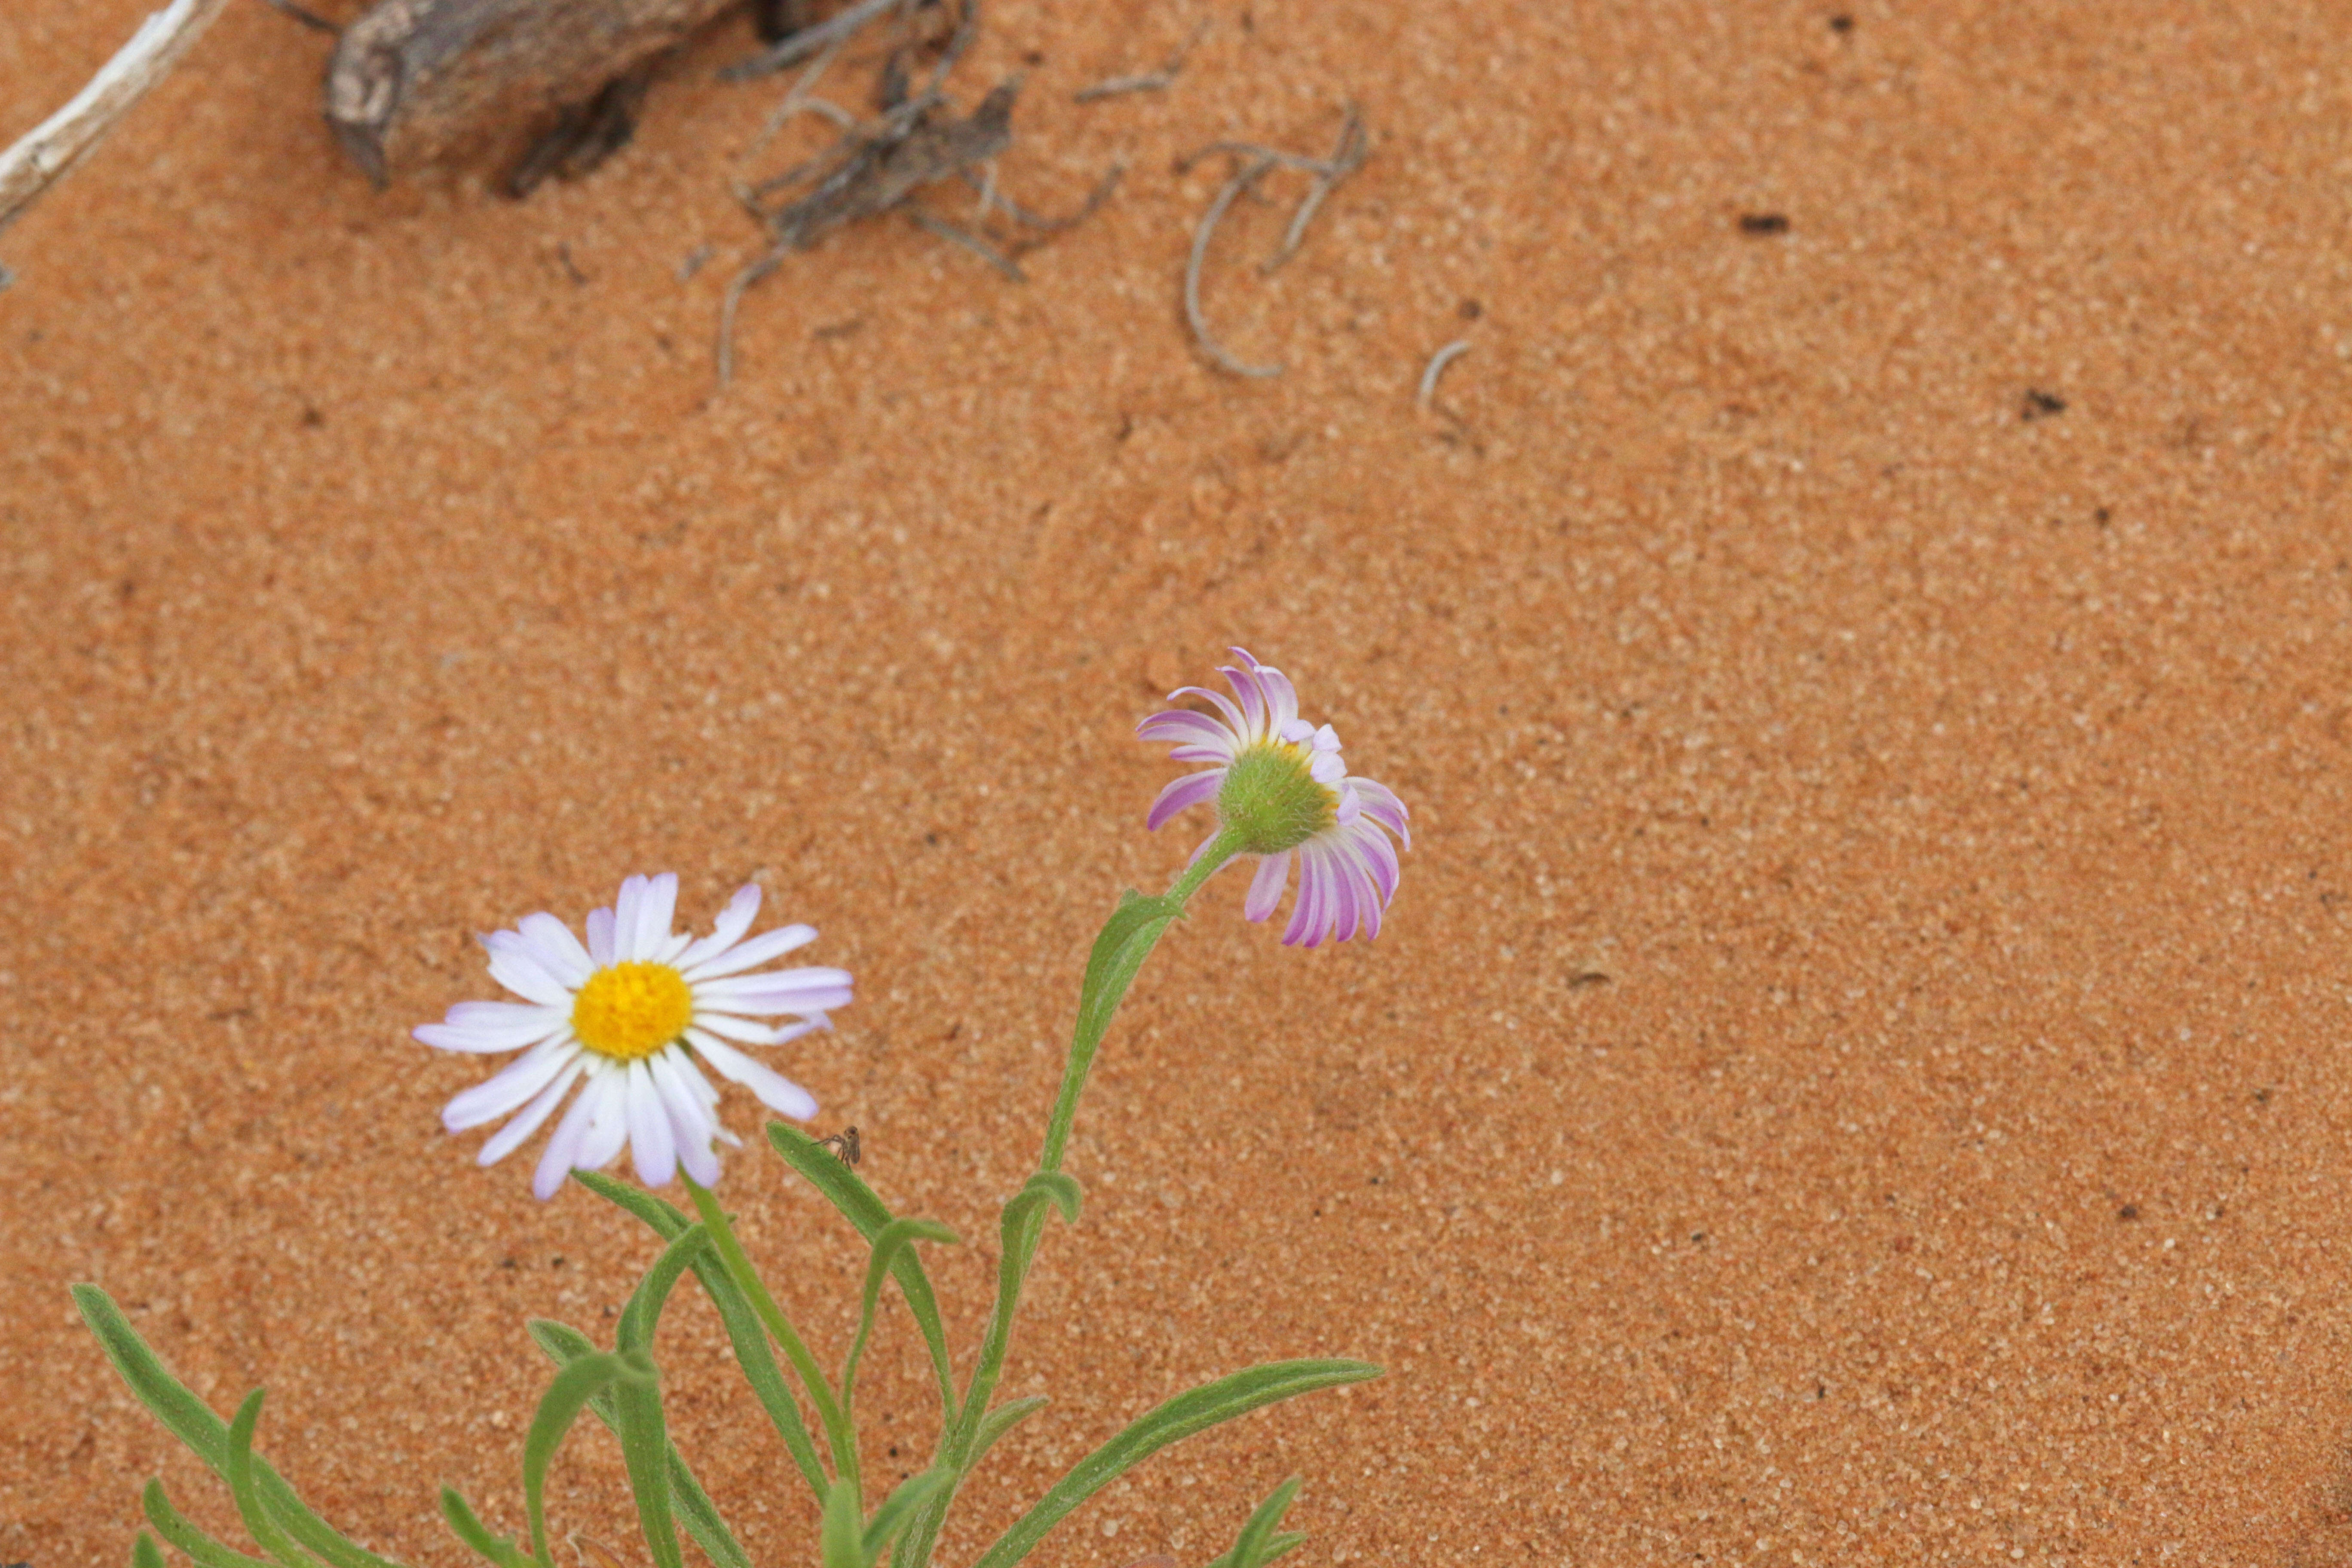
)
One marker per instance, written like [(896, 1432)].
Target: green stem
[(841, 1435), (956, 1444)]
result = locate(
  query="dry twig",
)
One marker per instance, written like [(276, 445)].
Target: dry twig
[(799, 45), (42, 156), (1253, 164), (1256, 170), (1437, 363), (304, 15), (1148, 81)]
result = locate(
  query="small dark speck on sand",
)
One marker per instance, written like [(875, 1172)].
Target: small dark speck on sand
[(2040, 404), (1764, 224)]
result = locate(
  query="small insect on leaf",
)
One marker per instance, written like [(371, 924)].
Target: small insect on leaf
[(843, 1145)]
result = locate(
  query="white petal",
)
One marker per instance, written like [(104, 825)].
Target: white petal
[(514, 1083), (513, 966), (650, 1138), (655, 915), (689, 1118), (481, 1041), (558, 951), (556, 1160), (776, 1091), (759, 950), (600, 938), (624, 919), (608, 1129), (756, 1034), (507, 1139), (728, 929)]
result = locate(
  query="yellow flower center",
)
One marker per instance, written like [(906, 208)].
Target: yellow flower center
[(628, 1011)]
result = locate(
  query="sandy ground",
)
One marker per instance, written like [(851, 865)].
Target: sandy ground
[(1856, 1071)]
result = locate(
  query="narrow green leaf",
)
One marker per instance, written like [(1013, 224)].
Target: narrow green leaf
[(185, 1417), (573, 1386), (498, 1549), (700, 1516), (643, 1311), (1135, 912), (145, 1553), (183, 1534), (1179, 1417), (645, 1445), (1058, 1188), (191, 1421), (895, 1240), (1000, 1421), (898, 1507), (1279, 1546), (240, 1464), (858, 1204), (1257, 1535), (752, 1352), (840, 1535)]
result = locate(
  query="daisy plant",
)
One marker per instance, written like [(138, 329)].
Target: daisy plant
[(631, 1016)]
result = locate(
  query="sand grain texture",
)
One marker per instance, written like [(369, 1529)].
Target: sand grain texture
[(1856, 1071)]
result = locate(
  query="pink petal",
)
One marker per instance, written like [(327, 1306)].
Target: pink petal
[(1182, 793), (1265, 888)]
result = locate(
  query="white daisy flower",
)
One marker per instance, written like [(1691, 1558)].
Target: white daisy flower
[(626, 1016)]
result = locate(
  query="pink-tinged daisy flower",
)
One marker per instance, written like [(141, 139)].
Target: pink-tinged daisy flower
[(1282, 793), (626, 1016)]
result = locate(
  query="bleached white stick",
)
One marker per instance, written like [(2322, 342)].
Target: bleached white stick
[(42, 156)]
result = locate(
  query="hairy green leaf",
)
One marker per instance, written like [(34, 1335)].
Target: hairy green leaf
[(840, 1535), (1179, 1417), (1250, 1547), (1277, 1546), (576, 1384), (700, 1516), (498, 1549), (191, 1421), (241, 1486), (898, 1507), (645, 1448), (183, 1534), (1000, 1421), (639, 1317), (895, 1240), (145, 1553), (1057, 1187), (752, 1352), (859, 1204)]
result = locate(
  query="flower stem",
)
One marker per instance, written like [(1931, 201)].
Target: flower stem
[(841, 1435), (1096, 1011)]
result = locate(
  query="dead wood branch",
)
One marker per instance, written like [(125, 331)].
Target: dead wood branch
[(1148, 81), (43, 155), (1437, 363), (413, 81), (1252, 163)]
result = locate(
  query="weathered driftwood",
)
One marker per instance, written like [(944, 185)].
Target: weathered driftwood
[(42, 156), (416, 81)]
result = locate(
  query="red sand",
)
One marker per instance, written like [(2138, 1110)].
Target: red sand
[(1856, 1071)]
